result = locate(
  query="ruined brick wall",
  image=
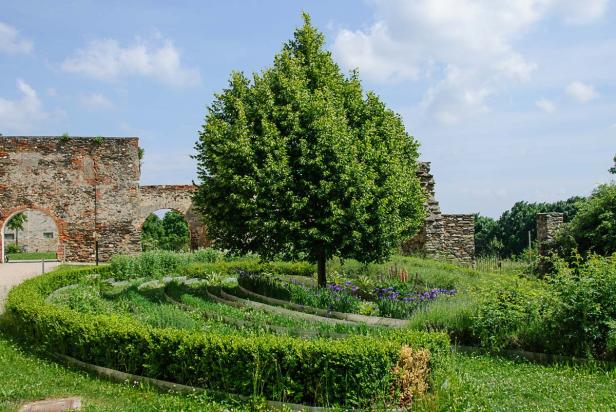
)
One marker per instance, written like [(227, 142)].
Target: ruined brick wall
[(89, 187), (39, 233), (178, 198), (449, 236)]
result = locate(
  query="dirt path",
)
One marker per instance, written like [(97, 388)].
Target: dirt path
[(12, 274)]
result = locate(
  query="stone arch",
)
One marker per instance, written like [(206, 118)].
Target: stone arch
[(174, 197), (5, 216)]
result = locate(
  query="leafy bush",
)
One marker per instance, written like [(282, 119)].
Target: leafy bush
[(12, 248), (583, 319), (593, 229), (510, 317), (351, 372)]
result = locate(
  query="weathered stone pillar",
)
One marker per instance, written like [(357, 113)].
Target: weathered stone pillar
[(548, 225)]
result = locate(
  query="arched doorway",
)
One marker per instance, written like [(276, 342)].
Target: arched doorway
[(165, 229), (31, 234)]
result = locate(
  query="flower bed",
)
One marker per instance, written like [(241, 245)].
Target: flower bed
[(346, 296)]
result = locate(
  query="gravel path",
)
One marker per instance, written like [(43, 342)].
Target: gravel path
[(12, 274)]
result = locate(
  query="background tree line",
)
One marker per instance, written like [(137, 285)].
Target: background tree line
[(590, 225)]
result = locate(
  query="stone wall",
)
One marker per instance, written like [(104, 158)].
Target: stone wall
[(459, 237), (39, 233), (448, 236), (90, 189)]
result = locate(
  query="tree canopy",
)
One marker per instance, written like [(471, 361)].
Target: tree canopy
[(300, 162), (508, 235), (169, 233), (593, 229), (16, 223)]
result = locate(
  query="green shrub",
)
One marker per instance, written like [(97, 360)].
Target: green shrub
[(582, 321), (12, 248), (510, 317), (593, 229), (351, 372)]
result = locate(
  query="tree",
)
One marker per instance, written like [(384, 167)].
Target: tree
[(486, 236), (17, 223), (593, 229), (177, 235), (152, 232), (613, 168), (169, 233), (300, 163)]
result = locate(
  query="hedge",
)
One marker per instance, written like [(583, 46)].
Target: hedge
[(352, 372), (161, 263)]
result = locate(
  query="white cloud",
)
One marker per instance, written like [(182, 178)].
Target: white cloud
[(581, 12), (465, 48), (12, 42), (19, 116), (546, 105), (96, 101), (107, 60), (582, 92)]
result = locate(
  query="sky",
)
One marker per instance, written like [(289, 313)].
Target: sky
[(510, 99)]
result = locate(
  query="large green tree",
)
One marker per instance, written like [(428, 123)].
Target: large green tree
[(593, 229), (613, 168), (169, 233), (300, 162), (17, 223)]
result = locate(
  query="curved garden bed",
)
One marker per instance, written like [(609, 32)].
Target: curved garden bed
[(356, 371)]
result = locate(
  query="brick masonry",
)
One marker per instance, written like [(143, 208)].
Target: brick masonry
[(90, 188), (446, 236)]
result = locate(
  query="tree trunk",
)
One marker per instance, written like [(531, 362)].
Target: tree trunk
[(321, 276), (17, 237)]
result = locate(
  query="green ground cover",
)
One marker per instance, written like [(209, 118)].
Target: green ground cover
[(32, 256)]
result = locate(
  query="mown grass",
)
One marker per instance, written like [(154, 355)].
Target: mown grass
[(25, 377), (484, 383), (32, 256)]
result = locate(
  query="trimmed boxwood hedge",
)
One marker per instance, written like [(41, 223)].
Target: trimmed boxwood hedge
[(350, 372)]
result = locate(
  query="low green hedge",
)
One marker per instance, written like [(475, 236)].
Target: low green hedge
[(352, 372), (159, 263)]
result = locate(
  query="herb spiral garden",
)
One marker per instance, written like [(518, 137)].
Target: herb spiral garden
[(237, 326), (378, 335)]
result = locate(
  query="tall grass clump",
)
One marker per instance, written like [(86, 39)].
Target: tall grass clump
[(159, 263)]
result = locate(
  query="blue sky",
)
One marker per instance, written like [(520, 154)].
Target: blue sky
[(511, 100)]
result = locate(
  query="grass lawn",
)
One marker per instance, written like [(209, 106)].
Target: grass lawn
[(32, 256), (484, 383)]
